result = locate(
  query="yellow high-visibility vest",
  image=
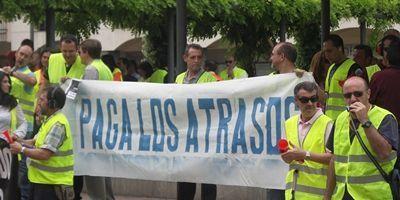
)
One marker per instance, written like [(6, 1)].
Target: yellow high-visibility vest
[(353, 168)]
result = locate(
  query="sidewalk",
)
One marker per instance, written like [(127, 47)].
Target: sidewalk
[(85, 197)]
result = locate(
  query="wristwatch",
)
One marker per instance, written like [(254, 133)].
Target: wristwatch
[(22, 149), (308, 155), (366, 124)]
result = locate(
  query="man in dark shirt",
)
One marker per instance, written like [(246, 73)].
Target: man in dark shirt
[(383, 84)]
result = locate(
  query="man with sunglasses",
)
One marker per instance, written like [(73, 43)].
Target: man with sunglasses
[(341, 68), (307, 134), (350, 170), (232, 71)]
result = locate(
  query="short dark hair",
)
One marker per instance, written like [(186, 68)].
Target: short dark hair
[(393, 54), (57, 94), (210, 65), (109, 60), (288, 50), (6, 99), (193, 46), (27, 42), (367, 49), (336, 40), (146, 67), (69, 38), (93, 47), (307, 86)]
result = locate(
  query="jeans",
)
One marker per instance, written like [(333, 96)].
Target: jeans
[(23, 182)]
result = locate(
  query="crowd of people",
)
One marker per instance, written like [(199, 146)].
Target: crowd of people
[(349, 98)]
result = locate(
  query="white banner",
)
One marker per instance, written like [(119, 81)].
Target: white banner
[(222, 133)]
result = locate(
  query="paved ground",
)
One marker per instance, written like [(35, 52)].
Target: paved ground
[(85, 197)]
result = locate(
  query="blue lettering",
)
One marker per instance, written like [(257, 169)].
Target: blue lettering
[(273, 102), (97, 133), (156, 104), (85, 119), (207, 105), (111, 144), (171, 146), (239, 138), (257, 150), (223, 123), (126, 137), (288, 101), (144, 141), (192, 129)]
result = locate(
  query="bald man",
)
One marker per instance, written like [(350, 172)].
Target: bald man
[(351, 170)]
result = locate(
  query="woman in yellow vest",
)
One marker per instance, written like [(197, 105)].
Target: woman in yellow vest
[(307, 134), (51, 166)]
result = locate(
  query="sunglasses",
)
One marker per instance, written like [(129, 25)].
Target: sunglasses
[(313, 99), (355, 93), (228, 61)]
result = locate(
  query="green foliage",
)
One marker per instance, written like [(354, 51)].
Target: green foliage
[(249, 25)]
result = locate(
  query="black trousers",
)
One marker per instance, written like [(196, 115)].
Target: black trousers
[(186, 191), (43, 192), (78, 185)]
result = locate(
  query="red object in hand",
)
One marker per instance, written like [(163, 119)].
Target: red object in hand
[(283, 145), (7, 135)]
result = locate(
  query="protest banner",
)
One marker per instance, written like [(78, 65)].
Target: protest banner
[(222, 133)]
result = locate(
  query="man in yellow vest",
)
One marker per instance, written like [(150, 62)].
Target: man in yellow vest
[(307, 133), (66, 64), (350, 170), (90, 52), (341, 68), (232, 71), (195, 74), (362, 55), (23, 82), (283, 58), (50, 152)]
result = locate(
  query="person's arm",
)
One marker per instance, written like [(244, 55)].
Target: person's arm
[(374, 87), (26, 79), (379, 144), (297, 153), (37, 154), (331, 180), (91, 73), (22, 125)]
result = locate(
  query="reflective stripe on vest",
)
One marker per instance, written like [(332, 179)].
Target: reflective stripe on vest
[(311, 176), (305, 189), (59, 168), (335, 102), (104, 72), (206, 77), (353, 168), (57, 68)]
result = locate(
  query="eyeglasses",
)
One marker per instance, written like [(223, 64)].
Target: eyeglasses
[(355, 93), (228, 61), (313, 99)]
